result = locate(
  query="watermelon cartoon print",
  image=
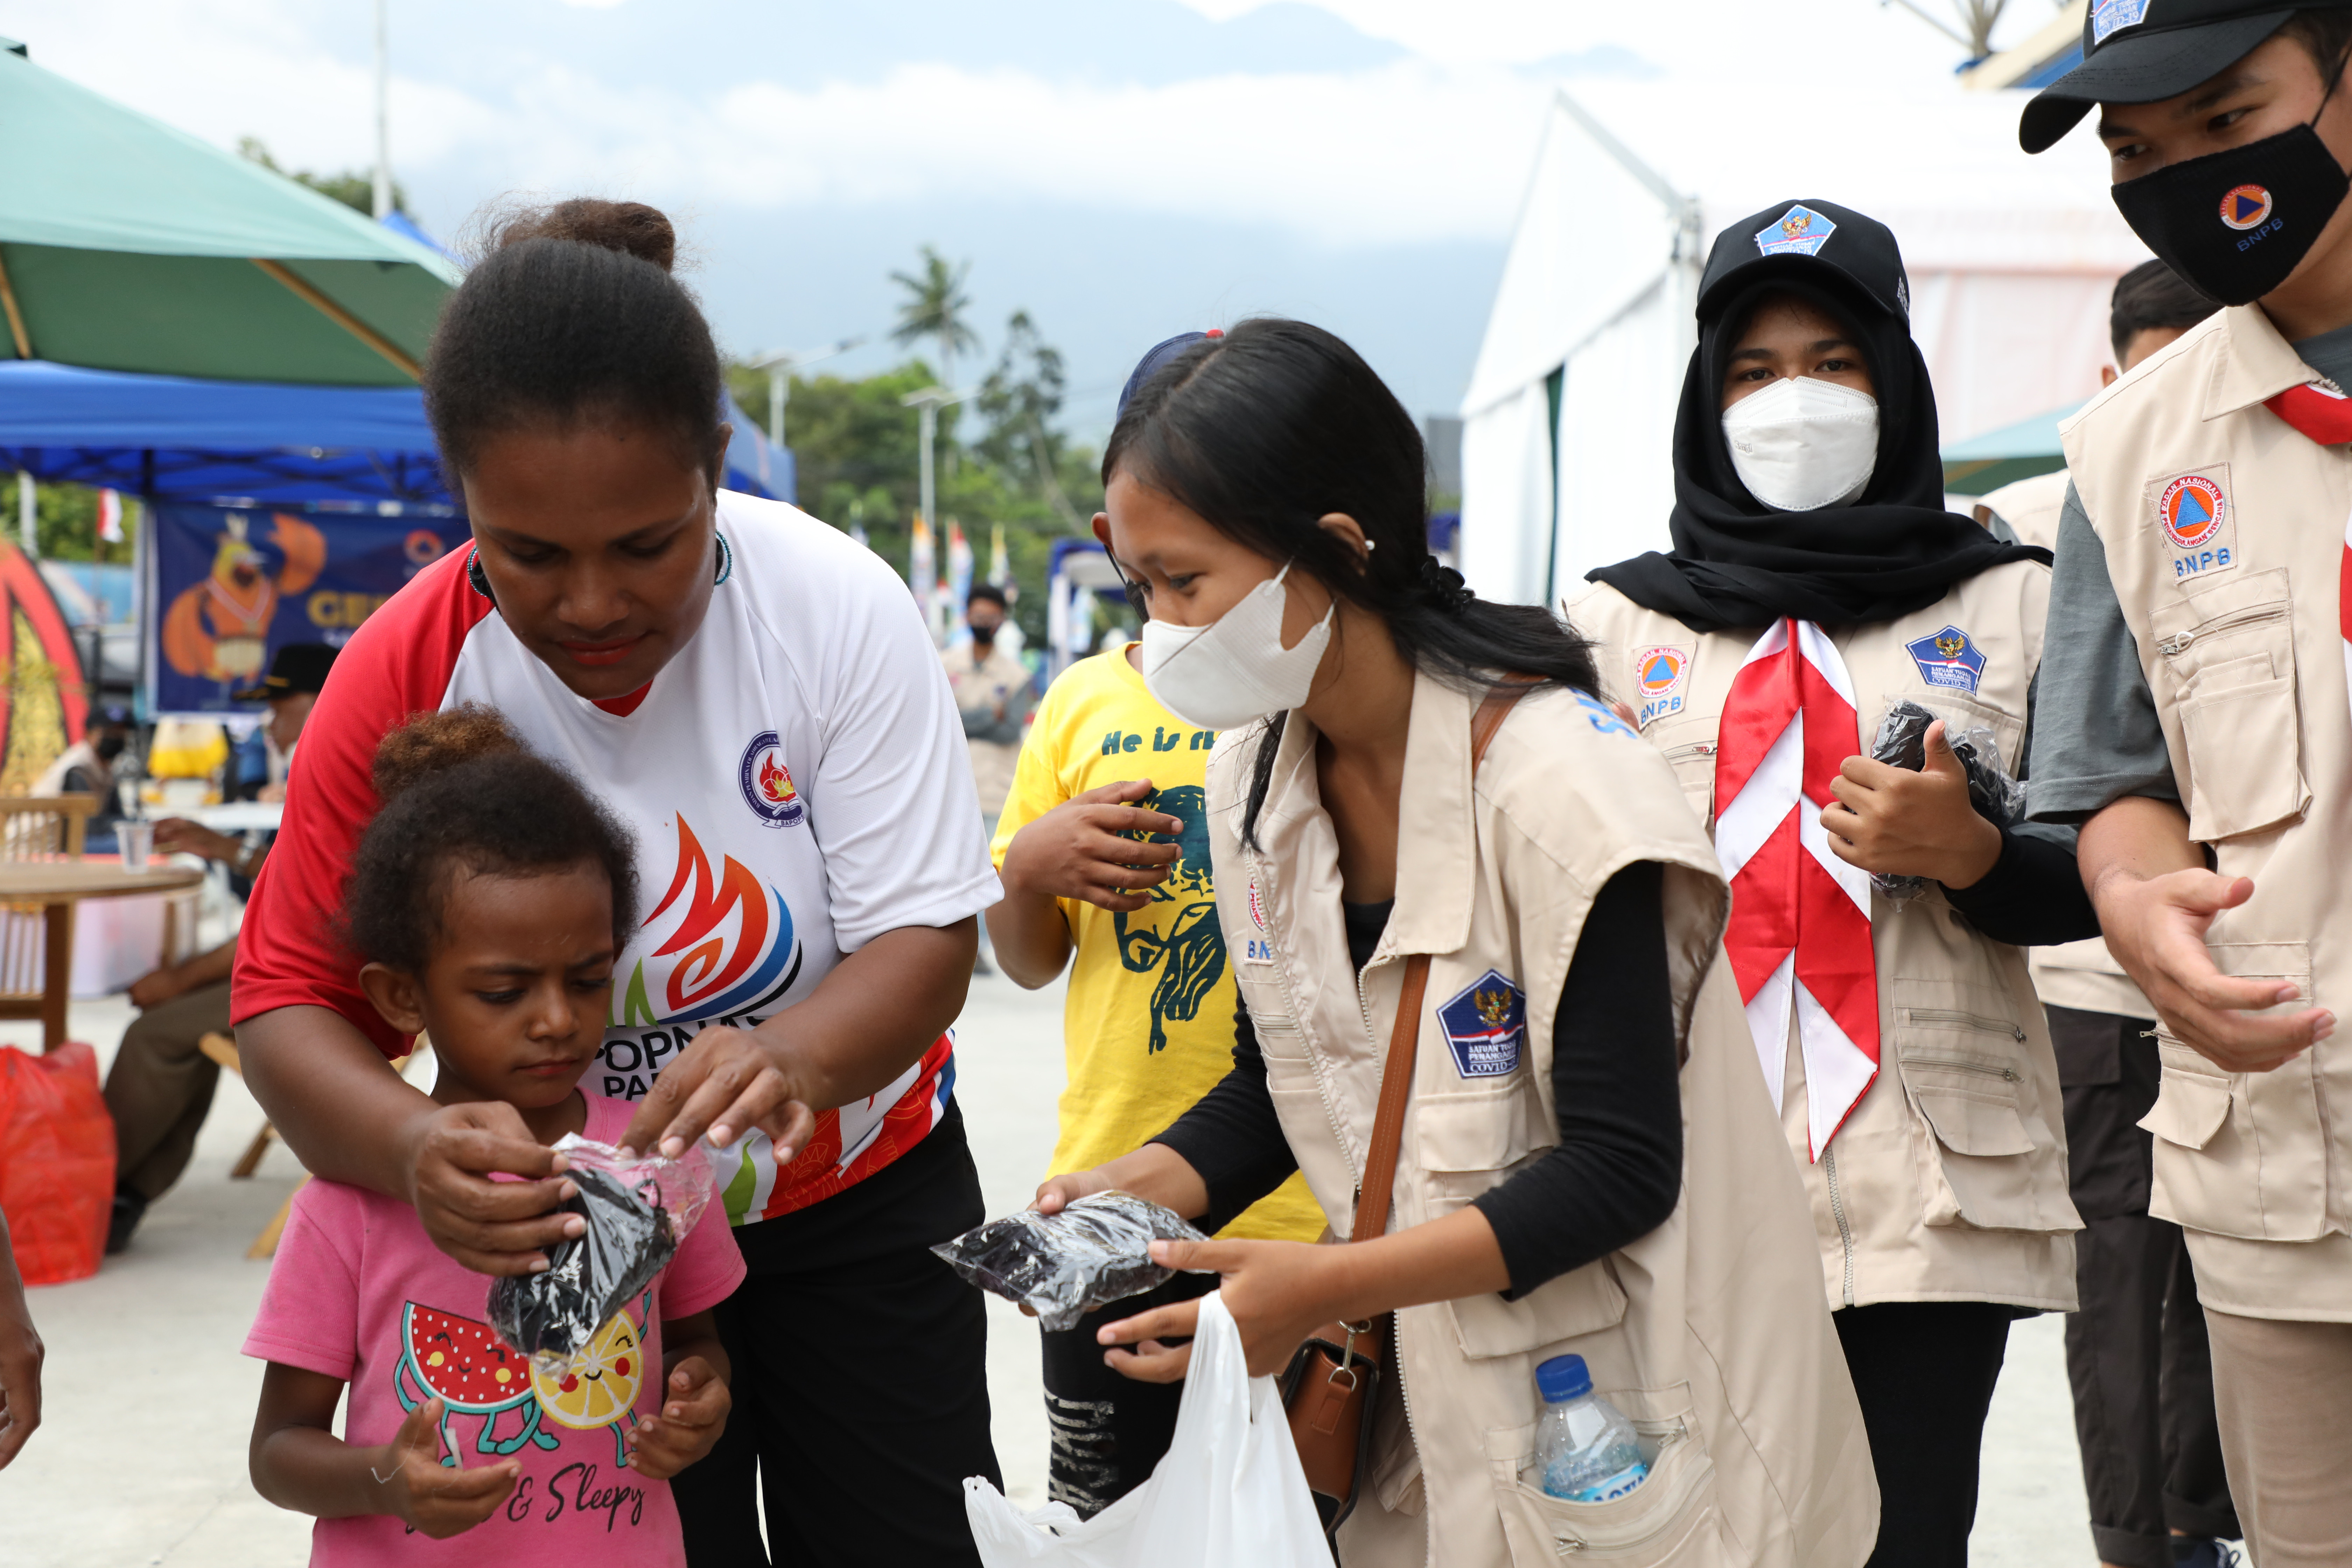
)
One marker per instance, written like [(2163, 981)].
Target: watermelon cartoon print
[(475, 1373)]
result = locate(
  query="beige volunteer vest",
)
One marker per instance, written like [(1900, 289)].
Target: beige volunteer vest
[(2080, 975), (2224, 532), (1948, 1181), (1709, 1331)]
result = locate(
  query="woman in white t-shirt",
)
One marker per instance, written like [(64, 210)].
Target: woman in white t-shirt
[(756, 697)]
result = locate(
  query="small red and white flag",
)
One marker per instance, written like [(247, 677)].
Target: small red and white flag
[(1799, 938), (110, 516)]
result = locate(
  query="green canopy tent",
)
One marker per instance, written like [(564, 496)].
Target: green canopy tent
[(127, 245), (1983, 464)]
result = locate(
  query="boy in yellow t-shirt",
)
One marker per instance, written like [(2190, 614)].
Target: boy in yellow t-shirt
[(1104, 850)]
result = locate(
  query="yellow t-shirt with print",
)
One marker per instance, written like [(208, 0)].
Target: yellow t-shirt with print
[(1148, 1026)]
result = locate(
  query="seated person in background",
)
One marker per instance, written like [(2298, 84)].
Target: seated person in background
[(86, 767), (160, 1086)]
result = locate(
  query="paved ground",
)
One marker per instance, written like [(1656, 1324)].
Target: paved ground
[(142, 1457)]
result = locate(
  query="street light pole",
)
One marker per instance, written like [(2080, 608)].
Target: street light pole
[(382, 120), (779, 366)]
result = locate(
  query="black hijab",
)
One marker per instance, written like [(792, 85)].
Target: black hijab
[(1736, 562)]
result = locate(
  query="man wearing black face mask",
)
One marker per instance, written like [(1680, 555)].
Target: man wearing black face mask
[(992, 688), (2200, 730), (86, 767)]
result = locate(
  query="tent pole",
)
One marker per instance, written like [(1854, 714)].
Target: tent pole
[(15, 316), (303, 289)]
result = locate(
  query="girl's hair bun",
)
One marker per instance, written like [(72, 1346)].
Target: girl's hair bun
[(430, 742), (631, 228)]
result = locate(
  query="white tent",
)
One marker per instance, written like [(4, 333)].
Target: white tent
[(1571, 411)]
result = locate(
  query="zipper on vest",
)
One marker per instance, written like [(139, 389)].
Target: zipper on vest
[(1695, 749), (1837, 1213), (1955, 1018), (2177, 644), (1962, 1063)]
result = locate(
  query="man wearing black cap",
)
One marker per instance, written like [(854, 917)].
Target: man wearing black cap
[(160, 1086), (2200, 727)]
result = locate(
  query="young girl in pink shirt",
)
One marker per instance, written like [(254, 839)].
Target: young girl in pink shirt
[(488, 899)]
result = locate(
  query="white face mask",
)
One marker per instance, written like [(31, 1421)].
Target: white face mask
[(1234, 669), (1803, 443)]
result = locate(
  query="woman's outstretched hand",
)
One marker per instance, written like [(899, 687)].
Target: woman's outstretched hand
[(1278, 1292), (492, 1227), (727, 1083)]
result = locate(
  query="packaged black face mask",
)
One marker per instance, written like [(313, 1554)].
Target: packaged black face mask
[(2235, 223), (1902, 743), (1063, 1266), (637, 1212)]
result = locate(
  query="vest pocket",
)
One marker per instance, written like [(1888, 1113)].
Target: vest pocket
[(1689, 745), (2231, 652), (1960, 1052), (1671, 1520), (2243, 1154)]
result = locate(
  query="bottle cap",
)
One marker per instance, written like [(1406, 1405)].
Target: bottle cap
[(1563, 1377)]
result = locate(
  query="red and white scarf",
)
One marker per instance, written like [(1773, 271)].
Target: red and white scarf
[(2325, 416), (1799, 933)]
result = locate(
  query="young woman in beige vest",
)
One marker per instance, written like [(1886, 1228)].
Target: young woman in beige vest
[(1815, 580), (1587, 1162)]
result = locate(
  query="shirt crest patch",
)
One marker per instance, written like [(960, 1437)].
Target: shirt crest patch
[(1658, 682), (1948, 659), (2199, 521), (1801, 231), (1485, 1026), (767, 783)]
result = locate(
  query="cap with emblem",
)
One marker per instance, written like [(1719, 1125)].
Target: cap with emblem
[(1801, 240), (296, 668), (2145, 51)]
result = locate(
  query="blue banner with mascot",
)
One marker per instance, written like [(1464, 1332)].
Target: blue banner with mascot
[(233, 585)]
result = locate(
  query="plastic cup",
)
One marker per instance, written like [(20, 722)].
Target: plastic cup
[(137, 841)]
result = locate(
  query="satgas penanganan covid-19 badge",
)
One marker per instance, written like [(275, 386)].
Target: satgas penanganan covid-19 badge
[(1948, 659), (1801, 231), (1486, 1027)]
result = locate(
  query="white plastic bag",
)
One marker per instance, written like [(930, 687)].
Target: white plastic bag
[(1228, 1492)]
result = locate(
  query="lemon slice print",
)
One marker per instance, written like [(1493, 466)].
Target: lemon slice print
[(597, 1386)]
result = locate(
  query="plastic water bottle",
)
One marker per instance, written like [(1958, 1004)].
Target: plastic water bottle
[(1589, 1451)]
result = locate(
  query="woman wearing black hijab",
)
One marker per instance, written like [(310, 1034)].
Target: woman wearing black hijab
[(1816, 580)]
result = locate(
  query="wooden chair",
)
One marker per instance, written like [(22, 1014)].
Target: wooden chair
[(36, 939)]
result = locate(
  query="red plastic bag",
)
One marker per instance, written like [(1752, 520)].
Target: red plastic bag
[(57, 1161)]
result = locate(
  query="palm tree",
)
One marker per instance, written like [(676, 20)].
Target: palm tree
[(934, 309)]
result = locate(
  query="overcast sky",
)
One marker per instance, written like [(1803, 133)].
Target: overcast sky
[(1123, 168)]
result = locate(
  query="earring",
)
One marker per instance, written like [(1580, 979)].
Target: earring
[(726, 560), (476, 577)]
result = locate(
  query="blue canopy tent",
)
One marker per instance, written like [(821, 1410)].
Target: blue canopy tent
[(170, 439), (1983, 464)]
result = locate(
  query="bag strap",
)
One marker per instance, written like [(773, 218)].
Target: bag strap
[(1404, 1038)]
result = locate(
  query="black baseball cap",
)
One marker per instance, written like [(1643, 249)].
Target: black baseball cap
[(1799, 241), (296, 668), (2145, 51)]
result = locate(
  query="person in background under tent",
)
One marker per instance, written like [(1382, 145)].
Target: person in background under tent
[(1816, 580), (160, 1088), (2199, 728), (86, 767), (2136, 1348), (992, 696)]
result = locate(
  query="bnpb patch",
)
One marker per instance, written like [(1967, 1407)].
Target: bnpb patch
[(2245, 206), (1485, 1026), (1658, 682), (1801, 231), (767, 783), (2200, 523), (1948, 659)]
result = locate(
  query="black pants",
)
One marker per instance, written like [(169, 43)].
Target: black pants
[(1109, 1432), (2136, 1353), (860, 1380), (1924, 1372)]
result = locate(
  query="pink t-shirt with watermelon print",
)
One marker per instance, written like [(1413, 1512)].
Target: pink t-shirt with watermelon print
[(359, 1292)]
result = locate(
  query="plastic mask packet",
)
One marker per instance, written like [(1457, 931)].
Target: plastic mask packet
[(1902, 743), (1063, 1266), (637, 1212)]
